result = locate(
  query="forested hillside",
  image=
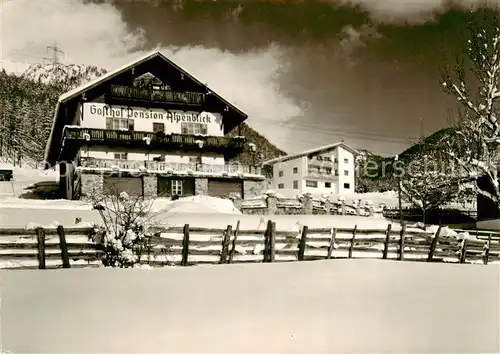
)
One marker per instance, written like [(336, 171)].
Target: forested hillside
[(27, 104), (381, 178)]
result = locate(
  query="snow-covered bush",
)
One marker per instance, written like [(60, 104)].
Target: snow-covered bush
[(124, 234)]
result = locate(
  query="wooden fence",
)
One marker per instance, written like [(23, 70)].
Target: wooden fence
[(191, 245), (65, 248), (47, 248)]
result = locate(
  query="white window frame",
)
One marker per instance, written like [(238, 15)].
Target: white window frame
[(119, 123), (194, 128), (177, 187)]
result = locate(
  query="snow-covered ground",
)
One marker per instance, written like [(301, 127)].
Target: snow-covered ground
[(351, 306), (24, 177)]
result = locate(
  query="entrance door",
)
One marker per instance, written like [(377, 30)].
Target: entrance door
[(224, 188)]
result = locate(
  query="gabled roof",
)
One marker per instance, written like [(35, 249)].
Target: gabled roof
[(321, 149), (77, 92)]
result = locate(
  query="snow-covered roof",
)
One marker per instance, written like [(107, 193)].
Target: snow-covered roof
[(312, 151), (102, 79)]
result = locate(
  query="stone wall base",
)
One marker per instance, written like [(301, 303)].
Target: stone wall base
[(201, 186)]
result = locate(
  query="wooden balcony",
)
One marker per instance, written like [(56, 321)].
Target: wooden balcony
[(168, 167), (74, 137), (321, 163), (321, 176), (141, 94)]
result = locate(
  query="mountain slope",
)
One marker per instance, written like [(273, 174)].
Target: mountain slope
[(376, 173), (265, 150)]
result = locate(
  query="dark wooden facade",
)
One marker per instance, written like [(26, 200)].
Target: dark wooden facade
[(117, 88), (486, 208)]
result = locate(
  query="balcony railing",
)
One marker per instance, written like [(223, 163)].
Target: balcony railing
[(153, 95), (181, 140), (168, 167), (321, 163)]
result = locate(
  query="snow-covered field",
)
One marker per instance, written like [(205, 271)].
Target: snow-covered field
[(355, 306)]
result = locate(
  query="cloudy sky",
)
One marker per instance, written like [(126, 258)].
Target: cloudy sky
[(307, 72)]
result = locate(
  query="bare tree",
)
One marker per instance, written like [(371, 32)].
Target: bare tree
[(428, 183), (127, 221), (475, 148)]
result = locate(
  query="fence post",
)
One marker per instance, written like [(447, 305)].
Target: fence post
[(486, 250), (462, 253), (328, 206), (64, 247), (40, 237), (434, 243), (351, 247), (233, 245), (302, 243), (333, 236), (267, 237), (272, 242), (271, 202), (386, 243), (401, 256), (185, 246), (225, 244)]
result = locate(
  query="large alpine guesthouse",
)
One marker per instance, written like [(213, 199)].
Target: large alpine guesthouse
[(149, 129)]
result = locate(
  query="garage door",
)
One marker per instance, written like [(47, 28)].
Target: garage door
[(224, 188), (115, 185)]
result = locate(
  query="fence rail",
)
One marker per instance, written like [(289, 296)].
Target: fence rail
[(183, 246), (207, 245), (47, 248)]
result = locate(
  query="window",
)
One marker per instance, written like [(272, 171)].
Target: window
[(120, 155), (176, 187), (313, 184), (281, 185), (328, 185), (328, 170), (280, 173), (346, 173), (158, 127), (295, 184), (347, 185), (194, 128), (346, 160), (336, 172), (295, 170), (119, 123), (327, 158), (336, 160)]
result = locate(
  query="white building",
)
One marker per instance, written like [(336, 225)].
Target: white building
[(328, 169)]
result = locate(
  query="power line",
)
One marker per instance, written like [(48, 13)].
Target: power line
[(341, 133), (55, 53)]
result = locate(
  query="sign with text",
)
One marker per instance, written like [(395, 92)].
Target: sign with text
[(172, 116)]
